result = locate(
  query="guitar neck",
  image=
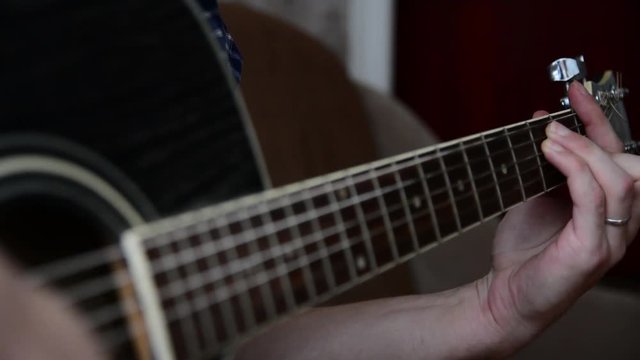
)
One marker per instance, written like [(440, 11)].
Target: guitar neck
[(222, 272)]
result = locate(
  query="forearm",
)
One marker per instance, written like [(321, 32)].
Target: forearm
[(447, 325)]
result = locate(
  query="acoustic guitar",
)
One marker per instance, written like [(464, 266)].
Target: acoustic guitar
[(131, 181)]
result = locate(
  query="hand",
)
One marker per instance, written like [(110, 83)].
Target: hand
[(36, 324), (553, 248)]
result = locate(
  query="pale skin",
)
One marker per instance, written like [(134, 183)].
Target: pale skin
[(547, 252)]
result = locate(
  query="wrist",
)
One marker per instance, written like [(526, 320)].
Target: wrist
[(505, 328)]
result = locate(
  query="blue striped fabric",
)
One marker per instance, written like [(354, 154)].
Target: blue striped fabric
[(225, 40)]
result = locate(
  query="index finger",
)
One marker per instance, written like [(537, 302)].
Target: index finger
[(596, 124)]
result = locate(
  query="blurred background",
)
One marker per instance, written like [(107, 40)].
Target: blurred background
[(467, 66), (334, 83)]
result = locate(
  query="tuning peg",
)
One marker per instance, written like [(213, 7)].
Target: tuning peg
[(566, 70)]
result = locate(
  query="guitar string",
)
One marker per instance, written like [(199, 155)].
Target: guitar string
[(384, 170), (307, 264), (527, 144), (114, 255), (189, 284), (189, 312), (206, 304), (393, 190), (281, 227), (69, 266), (177, 313), (214, 298)]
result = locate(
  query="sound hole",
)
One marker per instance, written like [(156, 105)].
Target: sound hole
[(39, 229)]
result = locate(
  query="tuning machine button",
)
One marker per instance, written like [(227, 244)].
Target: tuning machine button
[(567, 70)]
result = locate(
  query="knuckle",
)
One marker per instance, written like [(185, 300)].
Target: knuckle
[(585, 146), (595, 257), (598, 199), (582, 168), (624, 191)]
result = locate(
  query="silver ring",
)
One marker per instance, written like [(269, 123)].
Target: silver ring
[(617, 222)]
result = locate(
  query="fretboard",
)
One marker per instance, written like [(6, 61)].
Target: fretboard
[(222, 272)]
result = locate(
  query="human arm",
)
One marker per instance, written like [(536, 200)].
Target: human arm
[(546, 254)]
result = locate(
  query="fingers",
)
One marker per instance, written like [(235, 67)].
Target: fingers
[(596, 123), (617, 185), (631, 164), (540, 113), (587, 195)]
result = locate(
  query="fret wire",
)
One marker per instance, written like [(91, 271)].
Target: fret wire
[(429, 199), (436, 191), (535, 149), (493, 173), (205, 322), (405, 205), (373, 265), (186, 325), (454, 206), (297, 239), (336, 249), (230, 240), (285, 282), (319, 237), (473, 185), (564, 116), (494, 131), (265, 290), (515, 161), (307, 192), (231, 295), (232, 256), (344, 240), (382, 205), (223, 274), (578, 125), (229, 322)]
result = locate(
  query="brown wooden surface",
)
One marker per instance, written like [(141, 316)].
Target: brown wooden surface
[(307, 114)]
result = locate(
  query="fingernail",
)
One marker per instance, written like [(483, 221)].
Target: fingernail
[(552, 145), (558, 128), (580, 88)]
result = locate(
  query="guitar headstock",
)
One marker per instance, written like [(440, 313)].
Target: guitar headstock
[(608, 92)]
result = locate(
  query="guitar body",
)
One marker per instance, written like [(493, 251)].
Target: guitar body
[(118, 113), (111, 114)]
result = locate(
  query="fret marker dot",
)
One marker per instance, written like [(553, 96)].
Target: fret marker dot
[(460, 185), (361, 263), (504, 169), (417, 203), (343, 194)]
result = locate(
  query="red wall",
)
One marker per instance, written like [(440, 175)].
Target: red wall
[(468, 66)]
